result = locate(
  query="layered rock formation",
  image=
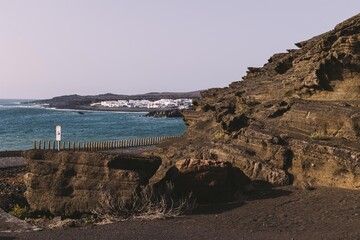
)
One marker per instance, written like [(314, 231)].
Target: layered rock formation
[(68, 183), (294, 120)]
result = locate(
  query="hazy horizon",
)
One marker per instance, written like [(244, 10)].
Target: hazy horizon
[(53, 48)]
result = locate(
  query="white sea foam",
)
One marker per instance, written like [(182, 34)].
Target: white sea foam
[(88, 111), (36, 106)]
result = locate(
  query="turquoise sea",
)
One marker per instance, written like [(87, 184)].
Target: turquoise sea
[(21, 124)]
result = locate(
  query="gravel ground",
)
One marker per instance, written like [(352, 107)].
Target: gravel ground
[(282, 213), (8, 223)]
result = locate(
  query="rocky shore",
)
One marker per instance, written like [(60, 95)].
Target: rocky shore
[(165, 113), (293, 121), (276, 156)]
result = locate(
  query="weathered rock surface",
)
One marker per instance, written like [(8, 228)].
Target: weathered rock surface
[(294, 120), (68, 183), (208, 180)]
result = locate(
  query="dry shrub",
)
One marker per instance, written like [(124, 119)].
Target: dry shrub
[(19, 211), (145, 204)]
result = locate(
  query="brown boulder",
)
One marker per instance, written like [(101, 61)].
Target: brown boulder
[(69, 183)]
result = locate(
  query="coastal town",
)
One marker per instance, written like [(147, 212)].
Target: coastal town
[(182, 103)]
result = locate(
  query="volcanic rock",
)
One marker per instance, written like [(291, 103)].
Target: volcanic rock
[(165, 113), (69, 183), (208, 180), (294, 120)]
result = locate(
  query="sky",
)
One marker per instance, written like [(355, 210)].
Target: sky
[(85, 47)]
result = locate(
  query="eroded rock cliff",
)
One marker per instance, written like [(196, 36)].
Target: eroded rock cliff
[(69, 183), (294, 120)]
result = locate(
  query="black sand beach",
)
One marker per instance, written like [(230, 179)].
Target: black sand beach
[(282, 213)]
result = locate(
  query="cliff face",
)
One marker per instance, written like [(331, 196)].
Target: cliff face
[(294, 120), (68, 183)]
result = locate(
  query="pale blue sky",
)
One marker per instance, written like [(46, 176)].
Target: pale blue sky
[(57, 47)]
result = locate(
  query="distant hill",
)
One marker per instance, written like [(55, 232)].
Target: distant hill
[(78, 102)]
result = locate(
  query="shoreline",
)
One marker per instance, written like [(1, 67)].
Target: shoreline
[(112, 109)]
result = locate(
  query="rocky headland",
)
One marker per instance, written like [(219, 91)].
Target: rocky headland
[(296, 120)]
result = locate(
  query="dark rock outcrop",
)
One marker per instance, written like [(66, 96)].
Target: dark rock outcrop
[(165, 113), (294, 120), (68, 183), (208, 180)]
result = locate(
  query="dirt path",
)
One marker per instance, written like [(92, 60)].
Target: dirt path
[(8, 223), (283, 213), (6, 162)]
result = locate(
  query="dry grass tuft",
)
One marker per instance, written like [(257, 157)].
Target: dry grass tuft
[(145, 204)]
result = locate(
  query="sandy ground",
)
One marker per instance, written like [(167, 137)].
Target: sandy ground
[(9, 223), (281, 213), (11, 162)]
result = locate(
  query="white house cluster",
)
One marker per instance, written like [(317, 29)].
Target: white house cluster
[(182, 103)]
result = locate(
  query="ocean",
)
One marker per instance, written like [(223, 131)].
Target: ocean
[(21, 124)]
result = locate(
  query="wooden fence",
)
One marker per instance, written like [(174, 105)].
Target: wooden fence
[(100, 146)]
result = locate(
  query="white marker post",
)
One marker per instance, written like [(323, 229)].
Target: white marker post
[(58, 135)]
